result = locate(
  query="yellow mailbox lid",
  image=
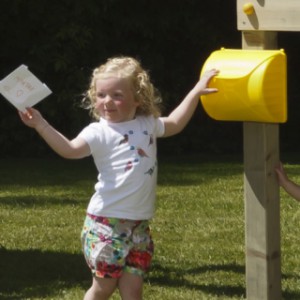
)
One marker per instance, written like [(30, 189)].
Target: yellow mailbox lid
[(251, 83)]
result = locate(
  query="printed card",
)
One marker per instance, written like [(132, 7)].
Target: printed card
[(23, 89)]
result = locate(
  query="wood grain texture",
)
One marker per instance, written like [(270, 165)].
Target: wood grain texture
[(269, 15)]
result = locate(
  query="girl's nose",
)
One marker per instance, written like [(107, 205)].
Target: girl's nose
[(107, 99)]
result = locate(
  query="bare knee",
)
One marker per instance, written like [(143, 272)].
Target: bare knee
[(101, 289)]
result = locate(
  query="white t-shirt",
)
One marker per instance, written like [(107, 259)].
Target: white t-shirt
[(125, 157)]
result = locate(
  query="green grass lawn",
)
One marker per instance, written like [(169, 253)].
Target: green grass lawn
[(198, 230)]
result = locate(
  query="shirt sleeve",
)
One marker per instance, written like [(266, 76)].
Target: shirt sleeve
[(160, 127), (89, 134)]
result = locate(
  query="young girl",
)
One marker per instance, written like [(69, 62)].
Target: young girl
[(116, 237)]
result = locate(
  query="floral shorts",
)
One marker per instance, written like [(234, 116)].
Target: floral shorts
[(112, 246)]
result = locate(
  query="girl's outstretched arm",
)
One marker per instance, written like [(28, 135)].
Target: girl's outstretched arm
[(288, 185), (76, 148), (182, 114)]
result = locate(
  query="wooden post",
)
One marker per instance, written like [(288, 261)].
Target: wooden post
[(261, 154), (261, 191)]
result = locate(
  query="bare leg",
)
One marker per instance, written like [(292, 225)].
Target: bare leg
[(131, 287), (101, 289)]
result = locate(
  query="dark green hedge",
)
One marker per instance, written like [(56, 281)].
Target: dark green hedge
[(63, 40)]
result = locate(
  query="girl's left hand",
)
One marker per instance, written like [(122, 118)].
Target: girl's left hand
[(202, 86)]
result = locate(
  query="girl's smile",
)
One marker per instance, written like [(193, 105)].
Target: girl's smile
[(115, 100)]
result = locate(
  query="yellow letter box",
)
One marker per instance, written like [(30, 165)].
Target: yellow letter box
[(252, 86)]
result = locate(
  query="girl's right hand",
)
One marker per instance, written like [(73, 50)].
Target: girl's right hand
[(33, 118)]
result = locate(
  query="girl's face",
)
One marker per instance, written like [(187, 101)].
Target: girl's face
[(115, 101)]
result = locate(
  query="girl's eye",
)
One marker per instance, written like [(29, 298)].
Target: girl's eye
[(118, 95), (100, 95)]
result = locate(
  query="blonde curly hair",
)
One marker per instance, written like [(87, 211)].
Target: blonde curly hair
[(129, 68)]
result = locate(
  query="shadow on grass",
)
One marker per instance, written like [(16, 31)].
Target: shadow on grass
[(174, 277), (172, 171), (33, 273), (195, 173), (39, 201), (46, 172)]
